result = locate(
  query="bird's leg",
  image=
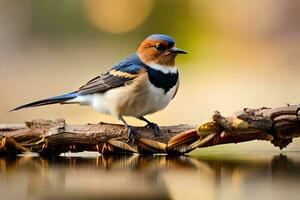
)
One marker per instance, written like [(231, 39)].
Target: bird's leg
[(130, 132), (151, 125)]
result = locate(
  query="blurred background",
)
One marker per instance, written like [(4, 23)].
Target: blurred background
[(241, 54)]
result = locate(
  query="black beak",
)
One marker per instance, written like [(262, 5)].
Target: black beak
[(176, 50)]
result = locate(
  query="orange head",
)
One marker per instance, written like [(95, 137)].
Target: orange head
[(159, 49)]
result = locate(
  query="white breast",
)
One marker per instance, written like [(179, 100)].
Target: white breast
[(158, 99)]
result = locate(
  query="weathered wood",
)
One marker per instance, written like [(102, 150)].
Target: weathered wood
[(55, 137), (278, 125)]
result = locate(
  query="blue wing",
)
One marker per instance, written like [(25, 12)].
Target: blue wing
[(117, 76)]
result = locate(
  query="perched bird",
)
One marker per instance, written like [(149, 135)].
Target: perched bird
[(141, 84)]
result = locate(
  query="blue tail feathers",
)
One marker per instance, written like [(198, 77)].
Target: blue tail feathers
[(52, 100)]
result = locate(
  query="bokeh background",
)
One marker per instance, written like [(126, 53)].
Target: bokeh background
[(241, 54)]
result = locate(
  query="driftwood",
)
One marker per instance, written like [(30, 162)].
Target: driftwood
[(278, 125)]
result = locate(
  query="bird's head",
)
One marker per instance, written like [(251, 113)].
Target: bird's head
[(159, 49)]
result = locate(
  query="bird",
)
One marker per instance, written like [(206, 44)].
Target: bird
[(141, 84)]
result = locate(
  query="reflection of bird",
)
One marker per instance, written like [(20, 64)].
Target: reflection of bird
[(141, 84)]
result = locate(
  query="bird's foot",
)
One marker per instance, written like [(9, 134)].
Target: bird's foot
[(154, 127), (131, 134)]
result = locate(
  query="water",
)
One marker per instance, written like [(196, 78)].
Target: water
[(259, 175)]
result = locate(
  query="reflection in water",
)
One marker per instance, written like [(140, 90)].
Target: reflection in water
[(151, 177)]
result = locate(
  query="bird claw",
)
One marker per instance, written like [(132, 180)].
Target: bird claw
[(154, 127), (131, 134)]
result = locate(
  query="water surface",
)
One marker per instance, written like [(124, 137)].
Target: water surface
[(259, 175)]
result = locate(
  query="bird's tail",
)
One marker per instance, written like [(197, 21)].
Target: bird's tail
[(52, 100)]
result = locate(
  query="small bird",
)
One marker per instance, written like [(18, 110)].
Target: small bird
[(139, 85)]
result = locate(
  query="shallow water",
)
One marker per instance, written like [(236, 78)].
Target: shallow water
[(259, 175)]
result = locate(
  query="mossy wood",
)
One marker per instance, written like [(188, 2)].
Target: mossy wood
[(277, 125)]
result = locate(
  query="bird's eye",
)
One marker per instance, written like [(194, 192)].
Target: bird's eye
[(160, 47)]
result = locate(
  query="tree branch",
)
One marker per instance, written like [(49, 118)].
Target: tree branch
[(278, 125)]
